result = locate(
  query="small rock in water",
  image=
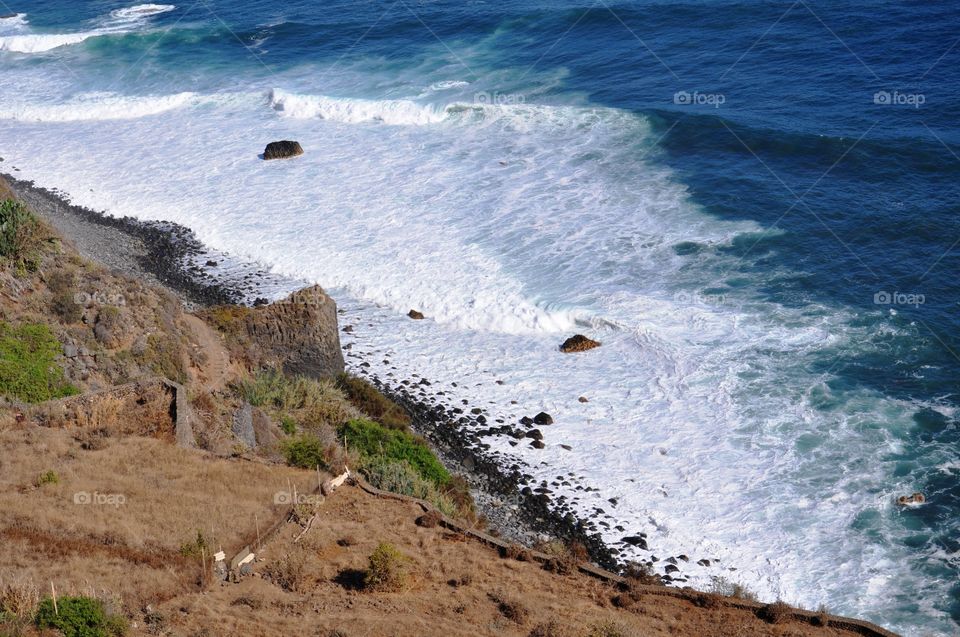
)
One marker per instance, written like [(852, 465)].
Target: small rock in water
[(537, 444), (211, 263), (578, 343), (415, 315), (526, 420), (583, 399), (282, 149)]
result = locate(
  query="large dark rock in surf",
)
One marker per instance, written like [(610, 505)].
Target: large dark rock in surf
[(578, 343), (415, 315), (543, 418), (282, 150), (298, 334)]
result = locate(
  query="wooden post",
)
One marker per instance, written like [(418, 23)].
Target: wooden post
[(319, 480), (203, 566), (53, 592)]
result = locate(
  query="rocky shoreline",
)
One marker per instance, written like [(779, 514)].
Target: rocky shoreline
[(169, 255)]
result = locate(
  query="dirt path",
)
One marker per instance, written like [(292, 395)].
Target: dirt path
[(216, 368)]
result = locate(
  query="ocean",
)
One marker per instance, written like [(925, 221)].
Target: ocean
[(754, 206)]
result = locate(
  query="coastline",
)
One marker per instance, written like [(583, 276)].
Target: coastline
[(168, 255)]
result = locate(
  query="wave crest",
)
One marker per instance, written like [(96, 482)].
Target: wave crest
[(97, 106), (120, 21), (353, 111)]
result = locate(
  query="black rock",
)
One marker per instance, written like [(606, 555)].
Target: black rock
[(636, 540), (537, 444), (526, 420), (282, 149), (536, 434), (543, 418)]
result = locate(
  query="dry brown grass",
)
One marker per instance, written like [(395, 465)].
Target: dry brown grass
[(447, 592), (122, 508)]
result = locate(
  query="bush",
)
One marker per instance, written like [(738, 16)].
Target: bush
[(163, 355), (288, 425), (374, 404), (517, 552), (400, 477), (305, 451), (79, 617), (64, 304), (607, 629), (550, 629), (723, 586), (776, 613), (387, 571), (48, 477), (311, 403), (512, 609), (28, 370), (19, 235), (370, 440), (429, 519), (196, 548), (287, 573)]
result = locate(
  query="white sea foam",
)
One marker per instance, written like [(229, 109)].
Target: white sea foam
[(38, 43), (396, 112), (118, 22), (97, 106), (141, 11), (14, 23)]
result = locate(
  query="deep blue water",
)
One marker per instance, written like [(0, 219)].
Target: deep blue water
[(831, 126)]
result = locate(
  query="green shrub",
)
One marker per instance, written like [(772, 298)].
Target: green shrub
[(163, 356), (288, 425), (311, 403), (19, 235), (28, 370), (374, 404), (64, 304), (371, 439), (79, 617), (197, 547), (48, 477), (387, 571), (400, 477), (305, 451)]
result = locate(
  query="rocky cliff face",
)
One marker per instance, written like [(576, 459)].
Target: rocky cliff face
[(299, 334)]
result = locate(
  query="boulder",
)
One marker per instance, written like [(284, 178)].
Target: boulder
[(916, 498), (578, 343), (242, 426), (282, 149), (543, 418), (415, 315), (299, 333)]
